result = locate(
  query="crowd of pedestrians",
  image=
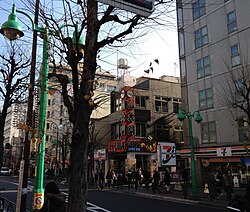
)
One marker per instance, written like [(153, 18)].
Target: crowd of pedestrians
[(133, 179)]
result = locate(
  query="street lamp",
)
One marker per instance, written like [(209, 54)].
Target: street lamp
[(12, 30), (181, 116)]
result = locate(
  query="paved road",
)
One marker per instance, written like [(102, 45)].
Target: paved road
[(113, 201)]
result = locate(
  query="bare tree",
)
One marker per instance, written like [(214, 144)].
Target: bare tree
[(236, 90), (103, 27), (13, 84)]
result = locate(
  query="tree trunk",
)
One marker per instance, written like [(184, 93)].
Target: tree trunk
[(78, 167)]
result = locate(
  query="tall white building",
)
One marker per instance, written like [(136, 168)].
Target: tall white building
[(214, 42)]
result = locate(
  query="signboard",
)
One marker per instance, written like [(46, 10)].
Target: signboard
[(117, 146), (100, 154), (224, 151), (140, 7), (168, 154), (20, 186), (38, 200)]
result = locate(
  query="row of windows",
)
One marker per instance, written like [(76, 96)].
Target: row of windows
[(208, 131), (161, 132), (203, 65), (161, 103), (199, 9)]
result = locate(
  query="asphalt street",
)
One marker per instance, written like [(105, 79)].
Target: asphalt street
[(112, 200)]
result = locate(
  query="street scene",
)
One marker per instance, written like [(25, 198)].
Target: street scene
[(124, 105)]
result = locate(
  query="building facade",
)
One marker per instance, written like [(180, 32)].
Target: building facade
[(142, 117), (213, 49)]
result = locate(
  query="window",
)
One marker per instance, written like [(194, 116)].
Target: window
[(206, 99), (239, 90), (231, 22), (235, 55), (199, 9), (49, 102), (242, 130), (140, 129), (203, 67), (176, 105), (208, 131), (140, 101), (201, 37), (161, 133), (161, 104)]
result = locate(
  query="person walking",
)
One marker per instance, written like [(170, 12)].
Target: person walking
[(129, 179), (167, 180), (136, 178), (101, 180), (155, 181), (109, 177), (54, 200)]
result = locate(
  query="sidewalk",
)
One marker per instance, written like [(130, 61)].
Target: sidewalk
[(174, 196)]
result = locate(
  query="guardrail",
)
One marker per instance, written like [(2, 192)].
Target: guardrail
[(7, 205)]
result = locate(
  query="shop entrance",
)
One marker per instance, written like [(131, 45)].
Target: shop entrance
[(142, 161)]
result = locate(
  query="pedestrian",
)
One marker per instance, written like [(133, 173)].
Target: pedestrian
[(109, 177), (96, 180), (212, 186), (136, 178), (101, 180), (54, 200), (228, 185), (129, 179), (147, 179), (119, 180), (219, 184), (155, 181), (185, 178)]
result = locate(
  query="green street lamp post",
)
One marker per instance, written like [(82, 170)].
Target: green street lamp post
[(12, 30), (181, 116)]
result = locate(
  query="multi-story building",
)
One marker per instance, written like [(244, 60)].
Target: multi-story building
[(142, 118), (214, 43)]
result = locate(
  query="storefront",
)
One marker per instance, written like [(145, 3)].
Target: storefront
[(234, 161)]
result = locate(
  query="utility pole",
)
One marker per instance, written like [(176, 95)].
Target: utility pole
[(29, 113)]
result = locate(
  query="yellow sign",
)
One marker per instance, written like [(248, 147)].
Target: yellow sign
[(38, 200)]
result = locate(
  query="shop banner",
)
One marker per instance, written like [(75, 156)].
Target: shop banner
[(100, 154), (224, 151)]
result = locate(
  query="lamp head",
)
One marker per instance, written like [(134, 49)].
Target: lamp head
[(181, 116), (11, 28), (198, 117)]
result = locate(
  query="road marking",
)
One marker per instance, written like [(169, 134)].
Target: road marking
[(95, 208), (90, 206)]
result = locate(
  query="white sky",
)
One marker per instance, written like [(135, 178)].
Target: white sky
[(161, 45)]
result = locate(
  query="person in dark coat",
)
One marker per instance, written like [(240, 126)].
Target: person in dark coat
[(129, 179), (156, 180), (101, 180), (54, 200), (109, 177)]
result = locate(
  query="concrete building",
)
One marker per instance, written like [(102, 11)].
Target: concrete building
[(142, 118), (214, 43)]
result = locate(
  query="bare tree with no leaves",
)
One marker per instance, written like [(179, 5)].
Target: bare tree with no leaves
[(13, 84)]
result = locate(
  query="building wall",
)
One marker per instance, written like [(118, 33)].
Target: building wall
[(219, 49)]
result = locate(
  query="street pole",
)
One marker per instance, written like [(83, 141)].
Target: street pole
[(29, 114), (193, 171), (39, 173), (182, 115)]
